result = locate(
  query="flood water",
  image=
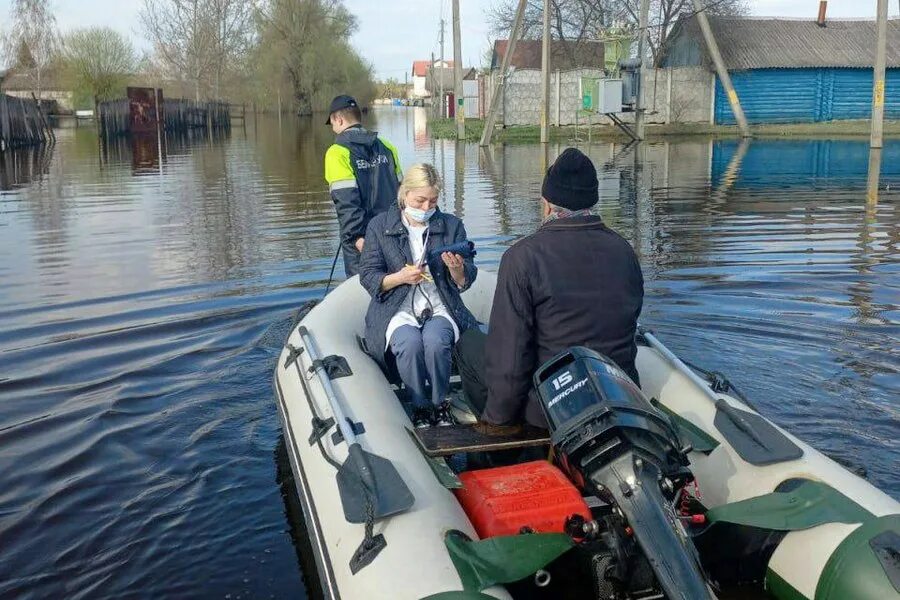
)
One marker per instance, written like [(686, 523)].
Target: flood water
[(143, 301)]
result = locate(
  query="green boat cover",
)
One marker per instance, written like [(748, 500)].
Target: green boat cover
[(503, 559), (810, 504), (859, 568)]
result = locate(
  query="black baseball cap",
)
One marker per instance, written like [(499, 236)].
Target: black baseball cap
[(340, 103)]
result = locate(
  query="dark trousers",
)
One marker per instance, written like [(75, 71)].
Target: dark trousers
[(469, 354), (351, 259)]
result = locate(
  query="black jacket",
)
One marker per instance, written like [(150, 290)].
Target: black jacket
[(574, 282), (387, 251), (363, 174)]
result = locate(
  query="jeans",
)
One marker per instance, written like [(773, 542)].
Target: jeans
[(424, 355)]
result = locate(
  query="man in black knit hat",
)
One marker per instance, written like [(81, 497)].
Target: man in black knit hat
[(574, 282)]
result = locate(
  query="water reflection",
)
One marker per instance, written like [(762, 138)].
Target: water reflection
[(793, 163), (22, 166), (146, 294)]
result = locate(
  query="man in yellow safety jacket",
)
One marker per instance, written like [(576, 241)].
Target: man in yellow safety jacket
[(363, 174)]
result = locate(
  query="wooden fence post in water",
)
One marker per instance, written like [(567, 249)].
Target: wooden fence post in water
[(29, 135), (5, 134), (46, 127)]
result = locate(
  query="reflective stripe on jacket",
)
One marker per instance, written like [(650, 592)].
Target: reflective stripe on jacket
[(363, 174)]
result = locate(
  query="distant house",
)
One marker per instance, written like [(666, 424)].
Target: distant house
[(438, 78), (792, 70), (55, 96), (420, 73), (564, 55)]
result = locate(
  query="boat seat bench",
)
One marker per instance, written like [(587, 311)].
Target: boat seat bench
[(462, 438)]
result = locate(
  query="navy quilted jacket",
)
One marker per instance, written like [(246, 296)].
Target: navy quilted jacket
[(387, 251)]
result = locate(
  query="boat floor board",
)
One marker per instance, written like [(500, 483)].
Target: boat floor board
[(457, 439)]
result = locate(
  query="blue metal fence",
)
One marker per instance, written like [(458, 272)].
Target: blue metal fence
[(806, 95)]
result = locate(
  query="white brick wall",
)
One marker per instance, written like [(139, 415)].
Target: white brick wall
[(681, 95)]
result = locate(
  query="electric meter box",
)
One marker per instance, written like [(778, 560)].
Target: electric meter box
[(609, 96)]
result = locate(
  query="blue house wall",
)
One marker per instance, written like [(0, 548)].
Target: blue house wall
[(806, 95)]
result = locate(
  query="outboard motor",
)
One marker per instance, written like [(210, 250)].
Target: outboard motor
[(615, 445)]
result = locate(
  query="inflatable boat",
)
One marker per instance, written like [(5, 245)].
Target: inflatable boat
[(728, 496)]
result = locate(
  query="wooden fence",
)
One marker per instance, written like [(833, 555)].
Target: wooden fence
[(114, 116), (22, 123)]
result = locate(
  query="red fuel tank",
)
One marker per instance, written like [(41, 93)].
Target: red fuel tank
[(503, 500)]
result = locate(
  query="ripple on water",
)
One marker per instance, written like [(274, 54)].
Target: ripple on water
[(142, 310)]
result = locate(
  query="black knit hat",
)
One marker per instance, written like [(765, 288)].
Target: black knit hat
[(571, 182)]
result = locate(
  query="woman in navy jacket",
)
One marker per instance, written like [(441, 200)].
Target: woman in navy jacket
[(416, 313)]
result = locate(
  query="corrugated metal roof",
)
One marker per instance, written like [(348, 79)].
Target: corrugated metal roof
[(766, 42)]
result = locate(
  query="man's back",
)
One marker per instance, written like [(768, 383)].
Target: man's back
[(574, 282), (363, 173)]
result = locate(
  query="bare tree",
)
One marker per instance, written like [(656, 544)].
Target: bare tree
[(574, 21), (198, 39), (99, 59), (3, 50), (32, 42), (233, 20), (665, 13), (578, 21), (181, 36)]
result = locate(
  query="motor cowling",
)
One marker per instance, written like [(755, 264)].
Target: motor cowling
[(612, 442), (596, 412)]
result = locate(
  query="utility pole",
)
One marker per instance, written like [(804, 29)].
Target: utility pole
[(878, 79), (876, 141), (721, 69), (545, 75), (458, 77), (501, 83), (433, 105), (639, 113), (442, 67)]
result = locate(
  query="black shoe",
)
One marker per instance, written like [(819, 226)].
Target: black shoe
[(421, 418), (442, 416)]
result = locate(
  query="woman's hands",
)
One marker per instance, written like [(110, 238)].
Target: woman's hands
[(413, 275), (408, 275), (456, 266)]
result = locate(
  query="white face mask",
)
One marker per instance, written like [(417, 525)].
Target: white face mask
[(417, 214)]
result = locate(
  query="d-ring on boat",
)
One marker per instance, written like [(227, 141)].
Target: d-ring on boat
[(679, 490)]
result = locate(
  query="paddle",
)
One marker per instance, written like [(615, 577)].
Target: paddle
[(369, 485)]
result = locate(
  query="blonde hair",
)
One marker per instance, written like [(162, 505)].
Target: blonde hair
[(418, 176)]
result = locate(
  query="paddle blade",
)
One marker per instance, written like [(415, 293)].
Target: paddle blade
[(389, 494)]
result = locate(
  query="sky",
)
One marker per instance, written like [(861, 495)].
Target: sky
[(393, 33)]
